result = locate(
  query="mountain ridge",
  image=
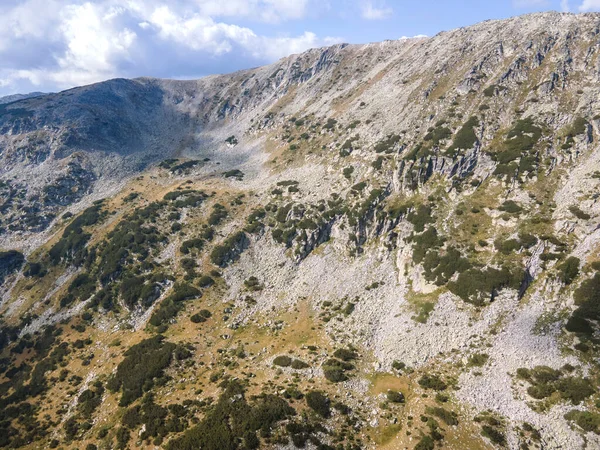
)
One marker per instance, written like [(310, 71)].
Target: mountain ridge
[(390, 245)]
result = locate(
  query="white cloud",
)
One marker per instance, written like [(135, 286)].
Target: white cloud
[(56, 44), (370, 11), (93, 40), (265, 10), (564, 6), (418, 36), (589, 5)]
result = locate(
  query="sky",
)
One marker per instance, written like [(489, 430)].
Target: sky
[(51, 45)]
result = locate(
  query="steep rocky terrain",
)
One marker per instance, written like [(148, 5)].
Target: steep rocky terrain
[(393, 245)]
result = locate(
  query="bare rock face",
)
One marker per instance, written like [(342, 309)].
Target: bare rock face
[(428, 206)]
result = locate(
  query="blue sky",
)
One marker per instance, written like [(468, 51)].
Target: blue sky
[(50, 45)]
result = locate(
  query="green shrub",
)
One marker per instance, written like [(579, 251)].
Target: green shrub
[(330, 124), (143, 364), (232, 421), (493, 434), (437, 135), (235, 173), (89, 400), (420, 217), (395, 396), (335, 370), (230, 250), (587, 299), (198, 318), (283, 361), (447, 416), (426, 443), (545, 381), (477, 360), (510, 207), (586, 420), (253, 284), (174, 303), (11, 261), (579, 126), (335, 374), (190, 244), (490, 90), (579, 213), (345, 354), (205, 281), (575, 389), (319, 403), (397, 365), (299, 365), (523, 136), (507, 246), (476, 285), (568, 271), (466, 138), (71, 247), (432, 382), (218, 214), (387, 145)]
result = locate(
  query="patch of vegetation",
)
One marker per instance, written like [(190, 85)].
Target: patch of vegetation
[(448, 417), (298, 364), (348, 171), (424, 310), (282, 361), (493, 90), (230, 250), (420, 217), (90, 399), (493, 434), (545, 381), (438, 135), (395, 396), (185, 166), (432, 381), (336, 370), (318, 402), (587, 299), (143, 365), (71, 247), (466, 138), (330, 124), (477, 360), (568, 270), (588, 421), (232, 423), (577, 212), (173, 304), (510, 207), (518, 145), (217, 215), (579, 126), (477, 285), (235, 173), (10, 262)]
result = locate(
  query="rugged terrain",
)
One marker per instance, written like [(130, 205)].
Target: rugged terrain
[(393, 245)]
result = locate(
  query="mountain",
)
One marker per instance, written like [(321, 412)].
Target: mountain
[(392, 245), (16, 97)]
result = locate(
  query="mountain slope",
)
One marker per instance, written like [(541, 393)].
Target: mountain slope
[(17, 97), (391, 245)]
